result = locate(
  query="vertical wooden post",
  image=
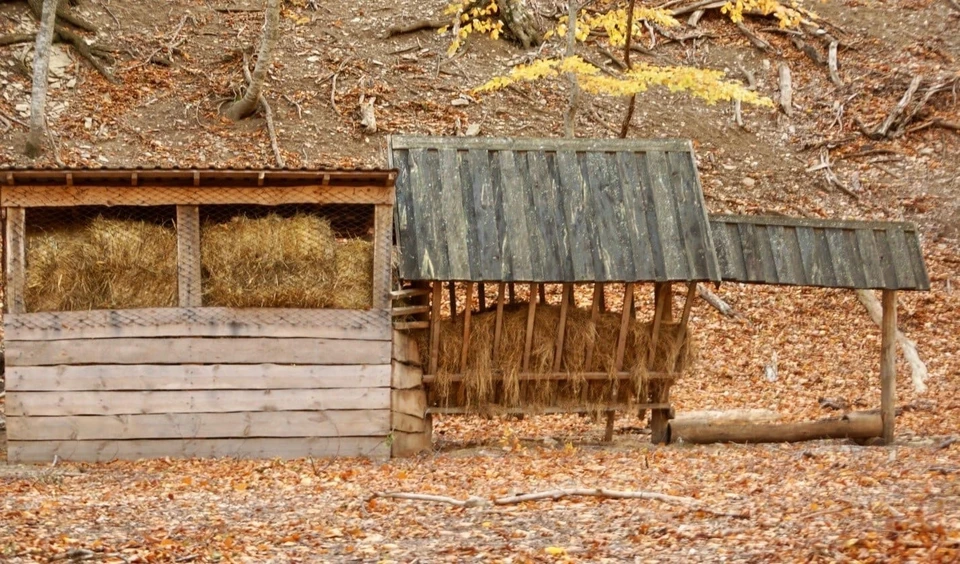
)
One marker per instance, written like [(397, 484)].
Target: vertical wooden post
[(888, 365), (531, 315), (513, 293), (453, 299), (542, 292), (382, 242), (684, 320), (435, 326), (564, 304), (594, 314), (498, 327), (16, 266), (621, 348), (481, 297), (467, 311), (660, 390), (188, 256)]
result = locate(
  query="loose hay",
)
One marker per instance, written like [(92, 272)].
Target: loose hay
[(101, 264), (275, 261), (488, 385)]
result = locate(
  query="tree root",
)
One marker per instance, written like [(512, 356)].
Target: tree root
[(92, 53)]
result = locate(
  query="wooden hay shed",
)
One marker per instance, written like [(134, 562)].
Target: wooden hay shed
[(515, 215), (823, 253), (183, 374)]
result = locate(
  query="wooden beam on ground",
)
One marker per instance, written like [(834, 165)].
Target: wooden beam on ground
[(467, 311), (188, 256), (857, 425), (888, 365), (531, 314), (498, 325), (15, 240), (564, 304)]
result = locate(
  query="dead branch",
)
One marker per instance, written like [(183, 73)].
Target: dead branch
[(717, 302), (472, 501), (830, 176), (702, 5), (832, 63), (918, 370), (15, 38), (809, 50), (786, 90), (757, 41), (695, 18), (420, 25), (898, 109), (938, 122), (268, 114)]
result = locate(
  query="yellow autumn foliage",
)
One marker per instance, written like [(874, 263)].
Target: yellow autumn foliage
[(787, 16), (708, 85), (614, 23)]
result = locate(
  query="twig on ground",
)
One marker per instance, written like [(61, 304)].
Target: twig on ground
[(898, 109), (938, 122), (832, 63), (472, 501), (717, 302), (786, 89), (415, 26), (757, 41), (10, 118), (106, 8), (295, 104)]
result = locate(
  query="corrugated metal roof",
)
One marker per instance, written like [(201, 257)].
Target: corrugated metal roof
[(274, 177), (550, 210), (819, 252)]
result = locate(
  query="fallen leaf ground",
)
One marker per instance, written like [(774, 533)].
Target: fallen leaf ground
[(823, 502)]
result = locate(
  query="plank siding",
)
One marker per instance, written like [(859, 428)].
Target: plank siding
[(328, 423), (191, 350), (287, 447), (819, 252), (193, 401)]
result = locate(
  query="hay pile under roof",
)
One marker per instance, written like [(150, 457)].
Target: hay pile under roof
[(101, 264), (276, 261), (489, 385)]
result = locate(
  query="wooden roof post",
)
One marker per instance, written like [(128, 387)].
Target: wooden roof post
[(188, 256), (888, 365), (467, 310), (531, 313), (435, 326), (16, 266), (564, 304), (621, 349), (498, 328), (660, 389)]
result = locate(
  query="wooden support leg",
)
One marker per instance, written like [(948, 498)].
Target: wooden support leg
[(660, 391), (531, 313), (621, 349), (15, 251), (542, 292), (564, 304), (513, 293), (435, 327), (481, 297), (467, 311), (453, 300), (888, 365), (498, 327)]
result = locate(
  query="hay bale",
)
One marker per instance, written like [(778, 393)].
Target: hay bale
[(487, 384), (353, 282), (101, 264), (269, 261)]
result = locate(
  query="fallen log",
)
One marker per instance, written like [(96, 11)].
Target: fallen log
[(726, 417), (856, 425)]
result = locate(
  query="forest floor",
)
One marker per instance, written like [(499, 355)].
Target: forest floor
[(822, 501)]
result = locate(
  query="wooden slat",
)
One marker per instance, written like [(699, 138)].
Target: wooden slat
[(405, 376), (188, 256), (347, 423), (435, 326), (159, 377), (888, 268), (485, 206), (901, 259), (540, 246), (691, 212), (431, 224), (624, 325), (594, 315), (528, 335), (408, 244), (535, 144), (382, 249), (70, 196), (452, 288), (916, 264), (813, 223), (498, 324), (581, 408), (162, 177), (470, 215), (16, 267), (856, 266), (545, 191), (411, 325), (812, 268), (409, 402), (527, 376), (671, 237), (841, 255), (635, 218), (191, 350), (888, 365), (513, 195), (648, 199), (198, 322), (481, 297), (409, 310), (194, 401), (405, 348), (765, 248), (751, 257), (577, 223), (408, 423), (659, 307), (451, 202), (467, 313), (684, 320), (564, 304), (409, 293), (105, 451), (613, 256)]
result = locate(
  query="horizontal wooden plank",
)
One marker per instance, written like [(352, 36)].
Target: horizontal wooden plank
[(193, 401), (538, 144), (160, 177), (68, 196), (813, 222), (409, 423), (373, 325), (105, 451), (409, 310), (357, 423), (406, 376), (452, 410), (410, 402), (112, 377), (193, 350), (411, 325), (409, 293), (405, 348), (431, 378)]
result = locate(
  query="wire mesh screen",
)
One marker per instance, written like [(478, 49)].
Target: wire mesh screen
[(96, 257), (290, 256)]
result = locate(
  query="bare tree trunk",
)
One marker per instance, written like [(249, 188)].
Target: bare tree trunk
[(41, 63), (251, 98), (625, 128), (519, 20), (571, 115)]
